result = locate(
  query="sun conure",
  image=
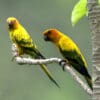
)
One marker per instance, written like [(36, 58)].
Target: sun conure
[(70, 52), (25, 44)]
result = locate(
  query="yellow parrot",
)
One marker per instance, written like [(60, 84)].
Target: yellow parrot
[(70, 52), (25, 44)]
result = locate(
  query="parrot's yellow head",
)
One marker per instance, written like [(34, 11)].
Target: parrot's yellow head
[(52, 35), (12, 22)]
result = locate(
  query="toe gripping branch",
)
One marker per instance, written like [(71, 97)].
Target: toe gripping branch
[(63, 64)]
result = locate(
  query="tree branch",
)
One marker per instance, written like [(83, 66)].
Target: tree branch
[(62, 62)]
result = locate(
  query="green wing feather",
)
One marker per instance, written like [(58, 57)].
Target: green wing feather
[(70, 51), (22, 38), (75, 60)]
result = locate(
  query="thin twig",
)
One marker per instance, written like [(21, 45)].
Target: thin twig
[(63, 64)]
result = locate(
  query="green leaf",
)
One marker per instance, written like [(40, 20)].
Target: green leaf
[(99, 2), (78, 11)]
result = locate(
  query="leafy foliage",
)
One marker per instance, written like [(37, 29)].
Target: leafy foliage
[(79, 11)]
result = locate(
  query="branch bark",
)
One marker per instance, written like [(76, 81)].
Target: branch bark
[(94, 20), (62, 63)]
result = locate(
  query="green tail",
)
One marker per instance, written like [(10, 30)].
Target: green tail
[(89, 81), (34, 53), (49, 74)]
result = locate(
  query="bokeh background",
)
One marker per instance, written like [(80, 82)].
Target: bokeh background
[(28, 82)]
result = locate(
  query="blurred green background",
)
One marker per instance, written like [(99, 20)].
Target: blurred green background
[(28, 82)]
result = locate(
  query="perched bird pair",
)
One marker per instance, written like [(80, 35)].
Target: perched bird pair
[(66, 46)]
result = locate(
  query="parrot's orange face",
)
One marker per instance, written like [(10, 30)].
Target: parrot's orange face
[(51, 35), (12, 23)]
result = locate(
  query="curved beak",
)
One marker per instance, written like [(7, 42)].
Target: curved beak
[(46, 38)]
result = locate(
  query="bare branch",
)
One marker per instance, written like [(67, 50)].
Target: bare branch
[(77, 79), (63, 64)]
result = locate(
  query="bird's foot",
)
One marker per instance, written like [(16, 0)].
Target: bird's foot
[(63, 63)]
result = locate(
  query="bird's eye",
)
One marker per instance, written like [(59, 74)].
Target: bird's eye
[(14, 21), (49, 32)]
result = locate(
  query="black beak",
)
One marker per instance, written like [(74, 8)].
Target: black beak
[(46, 38)]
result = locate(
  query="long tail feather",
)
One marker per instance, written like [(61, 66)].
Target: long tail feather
[(37, 55), (49, 75), (89, 81)]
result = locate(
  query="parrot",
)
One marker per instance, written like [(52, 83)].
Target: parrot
[(70, 51), (25, 45)]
